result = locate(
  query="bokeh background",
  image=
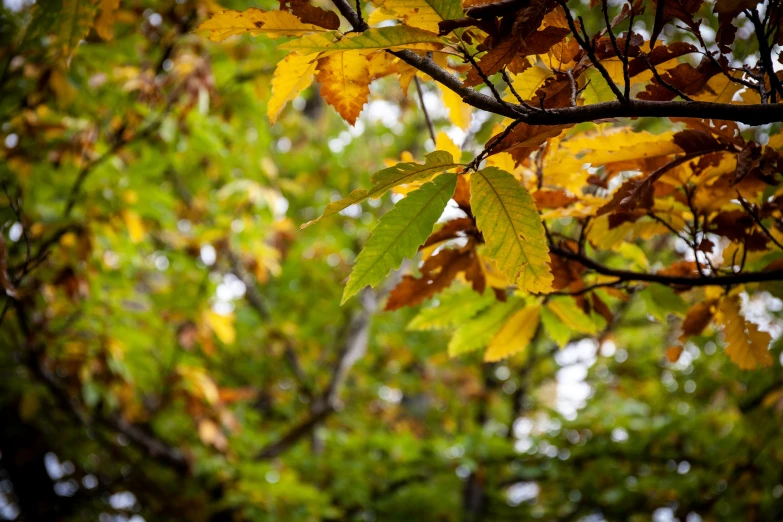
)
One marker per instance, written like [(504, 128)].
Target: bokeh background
[(172, 346)]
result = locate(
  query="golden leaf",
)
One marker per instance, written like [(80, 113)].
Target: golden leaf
[(292, 75), (256, 21), (345, 83), (746, 344), (515, 335)]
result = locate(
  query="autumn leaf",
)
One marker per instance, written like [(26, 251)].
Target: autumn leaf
[(424, 14), (455, 306), (479, 331), (254, 22), (345, 83), (697, 319), (311, 14), (571, 315), (746, 345), (515, 335), (507, 217), (293, 74), (104, 24), (438, 272), (394, 37), (400, 233), (435, 163)]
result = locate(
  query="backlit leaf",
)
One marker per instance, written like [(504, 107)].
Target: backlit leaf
[(394, 37), (746, 345), (293, 74), (507, 217), (345, 83), (400, 233), (515, 335), (424, 14), (254, 22), (479, 331)]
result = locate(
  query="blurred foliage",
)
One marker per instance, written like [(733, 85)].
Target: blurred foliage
[(171, 343)]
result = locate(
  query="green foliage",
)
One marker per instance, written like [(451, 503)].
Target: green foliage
[(400, 233)]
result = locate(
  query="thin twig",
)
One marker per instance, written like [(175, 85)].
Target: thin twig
[(749, 209), (584, 43), (430, 127), (660, 79)]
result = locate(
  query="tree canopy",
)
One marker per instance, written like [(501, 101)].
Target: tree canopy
[(391, 260)]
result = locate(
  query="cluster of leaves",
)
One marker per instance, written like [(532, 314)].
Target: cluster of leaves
[(168, 334), (704, 183)]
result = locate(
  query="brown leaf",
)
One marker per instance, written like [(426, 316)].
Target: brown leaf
[(311, 14), (697, 141), (747, 159), (680, 269), (601, 308), (673, 352), (492, 62), (553, 199), (697, 319), (526, 138), (437, 271), (659, 55), (685, 77)]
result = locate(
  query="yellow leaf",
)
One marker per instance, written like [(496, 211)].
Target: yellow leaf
[(625, 144), (424, 14), (292, 75), (566, 309), (345, 83), (394, 37), (222, 326), (528, 82), (443, 142), (515, 335), (746, 344), (135, 225), (507, 217), (459, 111), (104, 24), (256, 21)]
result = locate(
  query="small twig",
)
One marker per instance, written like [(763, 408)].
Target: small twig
[(519, 98), (626, 75), (765, 53), (660, 79), (584, 43), (481, 74), (430, 127), (749, 209)]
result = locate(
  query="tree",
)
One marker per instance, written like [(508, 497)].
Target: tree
[(173, 347)]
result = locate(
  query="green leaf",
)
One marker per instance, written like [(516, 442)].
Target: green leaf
[(557, 331), (507, 217), (434, 163), (400, 233), (454, 308), (478, 332), (76, 18), (394, 37), (662, 300), (597, 90), (566, 309)]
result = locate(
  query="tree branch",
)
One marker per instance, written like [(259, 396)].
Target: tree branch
[(627, 275), (749, 114)]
